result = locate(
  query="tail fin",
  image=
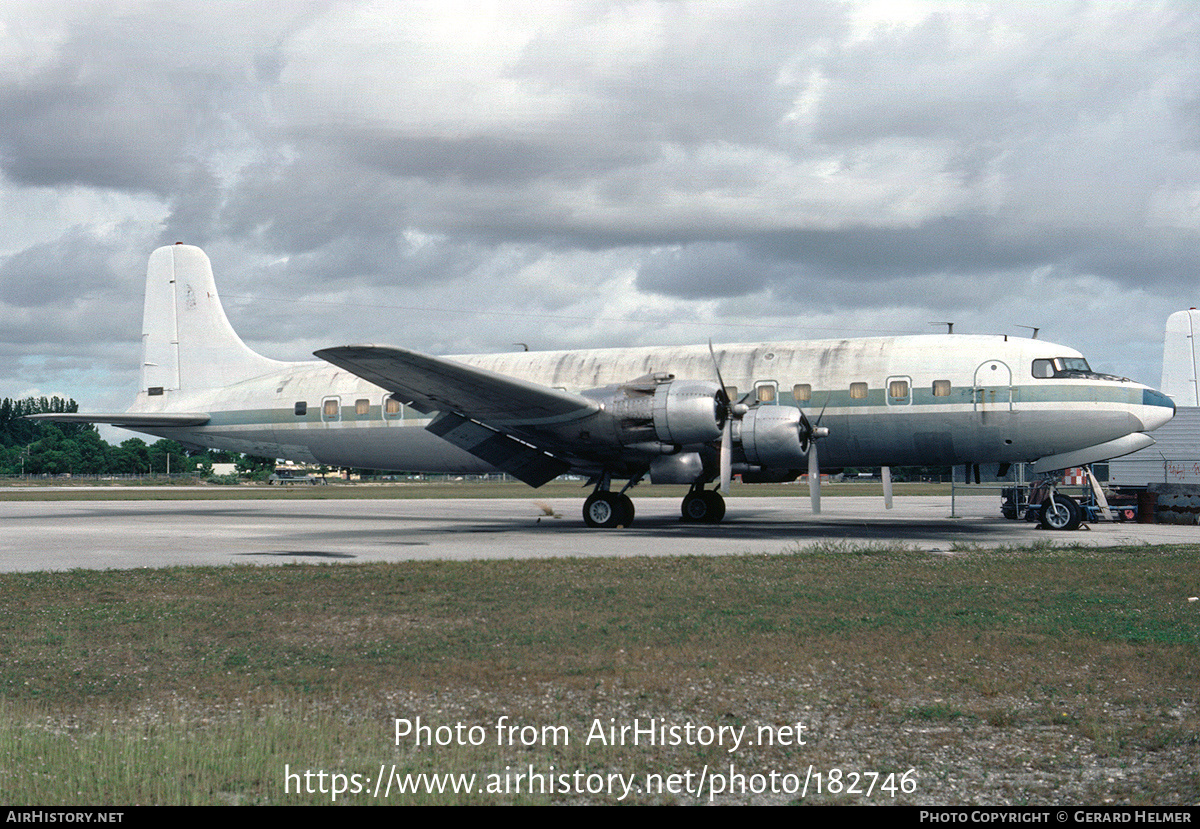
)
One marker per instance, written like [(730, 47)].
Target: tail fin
[(187, 341), (1180, 358)]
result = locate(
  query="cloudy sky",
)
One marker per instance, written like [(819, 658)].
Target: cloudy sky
[(461, 176)]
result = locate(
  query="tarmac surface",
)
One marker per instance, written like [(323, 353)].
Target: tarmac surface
[(62, 535)]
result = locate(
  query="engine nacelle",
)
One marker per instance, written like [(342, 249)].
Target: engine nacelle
[(684, 468), (770, 436), (667, 411), (688, 411)]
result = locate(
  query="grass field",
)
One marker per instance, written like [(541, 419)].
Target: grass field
[(1015, 676)]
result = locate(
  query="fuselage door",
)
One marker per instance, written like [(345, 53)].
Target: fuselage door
[(993, 390)]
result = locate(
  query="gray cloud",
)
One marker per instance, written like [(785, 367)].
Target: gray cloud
[(598, 160)]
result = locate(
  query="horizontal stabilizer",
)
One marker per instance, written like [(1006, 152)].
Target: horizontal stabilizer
[(133, 420)]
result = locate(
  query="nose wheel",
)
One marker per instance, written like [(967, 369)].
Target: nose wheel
[(1061, 513)]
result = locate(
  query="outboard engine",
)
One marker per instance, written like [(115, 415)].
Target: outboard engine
[(771, 436)]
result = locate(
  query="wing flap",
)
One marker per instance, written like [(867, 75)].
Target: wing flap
[(437, 384), (519, 459)]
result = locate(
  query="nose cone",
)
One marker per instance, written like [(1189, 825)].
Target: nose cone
[(1157, 409)]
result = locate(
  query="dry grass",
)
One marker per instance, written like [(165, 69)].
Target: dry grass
[(1016, 676)]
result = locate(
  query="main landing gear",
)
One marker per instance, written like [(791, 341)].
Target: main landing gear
[(607, 509), (703, 506)]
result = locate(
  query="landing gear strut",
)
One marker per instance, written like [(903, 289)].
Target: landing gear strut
[(703, 506)]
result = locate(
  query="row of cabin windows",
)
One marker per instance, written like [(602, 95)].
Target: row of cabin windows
[(899, 389), (331, 408), (802, 392), (764, 393)]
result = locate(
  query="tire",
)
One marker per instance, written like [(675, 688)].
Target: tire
[(607, 510), (1061, 513), (703, 507), (627, 511)]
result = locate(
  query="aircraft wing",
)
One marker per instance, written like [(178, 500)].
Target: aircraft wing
[(507, 422), (437, 384), (131, 419)]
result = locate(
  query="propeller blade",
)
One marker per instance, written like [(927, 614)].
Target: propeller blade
[(824, 406), (726, 455), (814, 479), (720, 382), (885, 472), (727, 413), (806, 431)]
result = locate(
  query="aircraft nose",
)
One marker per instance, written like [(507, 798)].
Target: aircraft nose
[(1157, 409)]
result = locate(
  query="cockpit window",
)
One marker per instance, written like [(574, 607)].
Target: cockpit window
[(1063, 367)]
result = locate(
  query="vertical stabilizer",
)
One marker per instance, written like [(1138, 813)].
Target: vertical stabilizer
[(187, 341), (1179, 381)]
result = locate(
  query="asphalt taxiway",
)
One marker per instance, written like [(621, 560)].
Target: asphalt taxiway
[(61, 535)]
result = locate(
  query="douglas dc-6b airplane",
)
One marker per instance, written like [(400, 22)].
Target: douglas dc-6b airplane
[(629, 413)]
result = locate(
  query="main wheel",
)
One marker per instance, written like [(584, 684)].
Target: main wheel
[(1061, 513), (703, 507), (608, 509)]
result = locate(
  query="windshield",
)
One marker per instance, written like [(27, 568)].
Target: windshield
[(1072, 364), (1067, 367)]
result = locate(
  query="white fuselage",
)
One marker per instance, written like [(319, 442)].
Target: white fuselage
[(927, 400)]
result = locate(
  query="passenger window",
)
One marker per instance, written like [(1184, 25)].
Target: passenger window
[(362, 407), (331, 409), (301, 408), (1043, 368), (391, 407), (898, 389), (941, 388), (858, 391), (765, 393), (802, 392)]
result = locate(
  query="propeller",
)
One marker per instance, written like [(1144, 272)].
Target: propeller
[(726, 455), (727, 414), (814, 479), (885, 473), (809, 434)]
